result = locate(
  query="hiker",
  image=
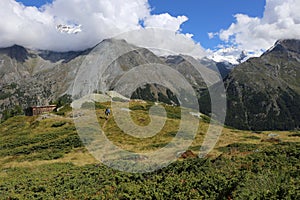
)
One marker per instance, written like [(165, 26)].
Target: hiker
[(107, 111)]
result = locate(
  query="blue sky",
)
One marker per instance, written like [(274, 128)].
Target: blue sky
[(204, 16), (36, 3), (208, 15)]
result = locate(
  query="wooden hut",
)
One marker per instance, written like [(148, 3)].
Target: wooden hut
[(37, 110)]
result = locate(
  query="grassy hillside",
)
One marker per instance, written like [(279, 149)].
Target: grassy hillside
[(43, 158)]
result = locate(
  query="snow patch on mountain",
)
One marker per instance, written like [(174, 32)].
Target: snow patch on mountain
[(69, 29), (232, 55)]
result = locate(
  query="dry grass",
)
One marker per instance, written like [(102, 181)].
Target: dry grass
[(32, 127), (78, 157)]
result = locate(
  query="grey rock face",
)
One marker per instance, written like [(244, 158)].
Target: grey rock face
[(31, 77)]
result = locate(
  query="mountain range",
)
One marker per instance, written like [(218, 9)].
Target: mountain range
[(34, 78), (263, 93)]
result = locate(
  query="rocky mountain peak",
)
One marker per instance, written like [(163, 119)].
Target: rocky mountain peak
[(175, 59), (285, 45), (114, 41), (16, 52), (264, 93)]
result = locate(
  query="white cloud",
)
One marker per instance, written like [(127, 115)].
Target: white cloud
[(165, 21), (212, 35), (98, 20), (281, 20), (164, 42)]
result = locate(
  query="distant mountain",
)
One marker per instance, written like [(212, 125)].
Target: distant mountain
[(69, 29), (264, 93), (232, 55), (224, 68), (30, 77)]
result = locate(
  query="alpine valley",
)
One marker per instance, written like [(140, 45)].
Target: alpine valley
[(263, 93), (44, 156)]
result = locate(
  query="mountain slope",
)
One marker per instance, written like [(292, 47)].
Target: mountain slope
[(221, 67), (264, 93), (31, 77)]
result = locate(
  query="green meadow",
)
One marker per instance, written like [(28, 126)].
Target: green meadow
[(43, 157)]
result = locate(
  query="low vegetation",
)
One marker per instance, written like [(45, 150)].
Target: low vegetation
[(42, 157)]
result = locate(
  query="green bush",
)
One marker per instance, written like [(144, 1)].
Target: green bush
[(8, 113), (242, 147), (118, 99), (257, 176), (64, 110), (58, 124), (259, 171), (295, 135), (252, 137)]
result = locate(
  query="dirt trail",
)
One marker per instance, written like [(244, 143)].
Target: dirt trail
[(104, 125)]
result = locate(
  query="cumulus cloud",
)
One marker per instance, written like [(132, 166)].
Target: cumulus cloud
[(164, 42), (165, 21), (98, 19), (281, 20)]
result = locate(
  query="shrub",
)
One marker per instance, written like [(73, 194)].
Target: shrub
[(58, 124)]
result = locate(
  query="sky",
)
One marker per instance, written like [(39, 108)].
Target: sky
[(199, 28), (208, 16)]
